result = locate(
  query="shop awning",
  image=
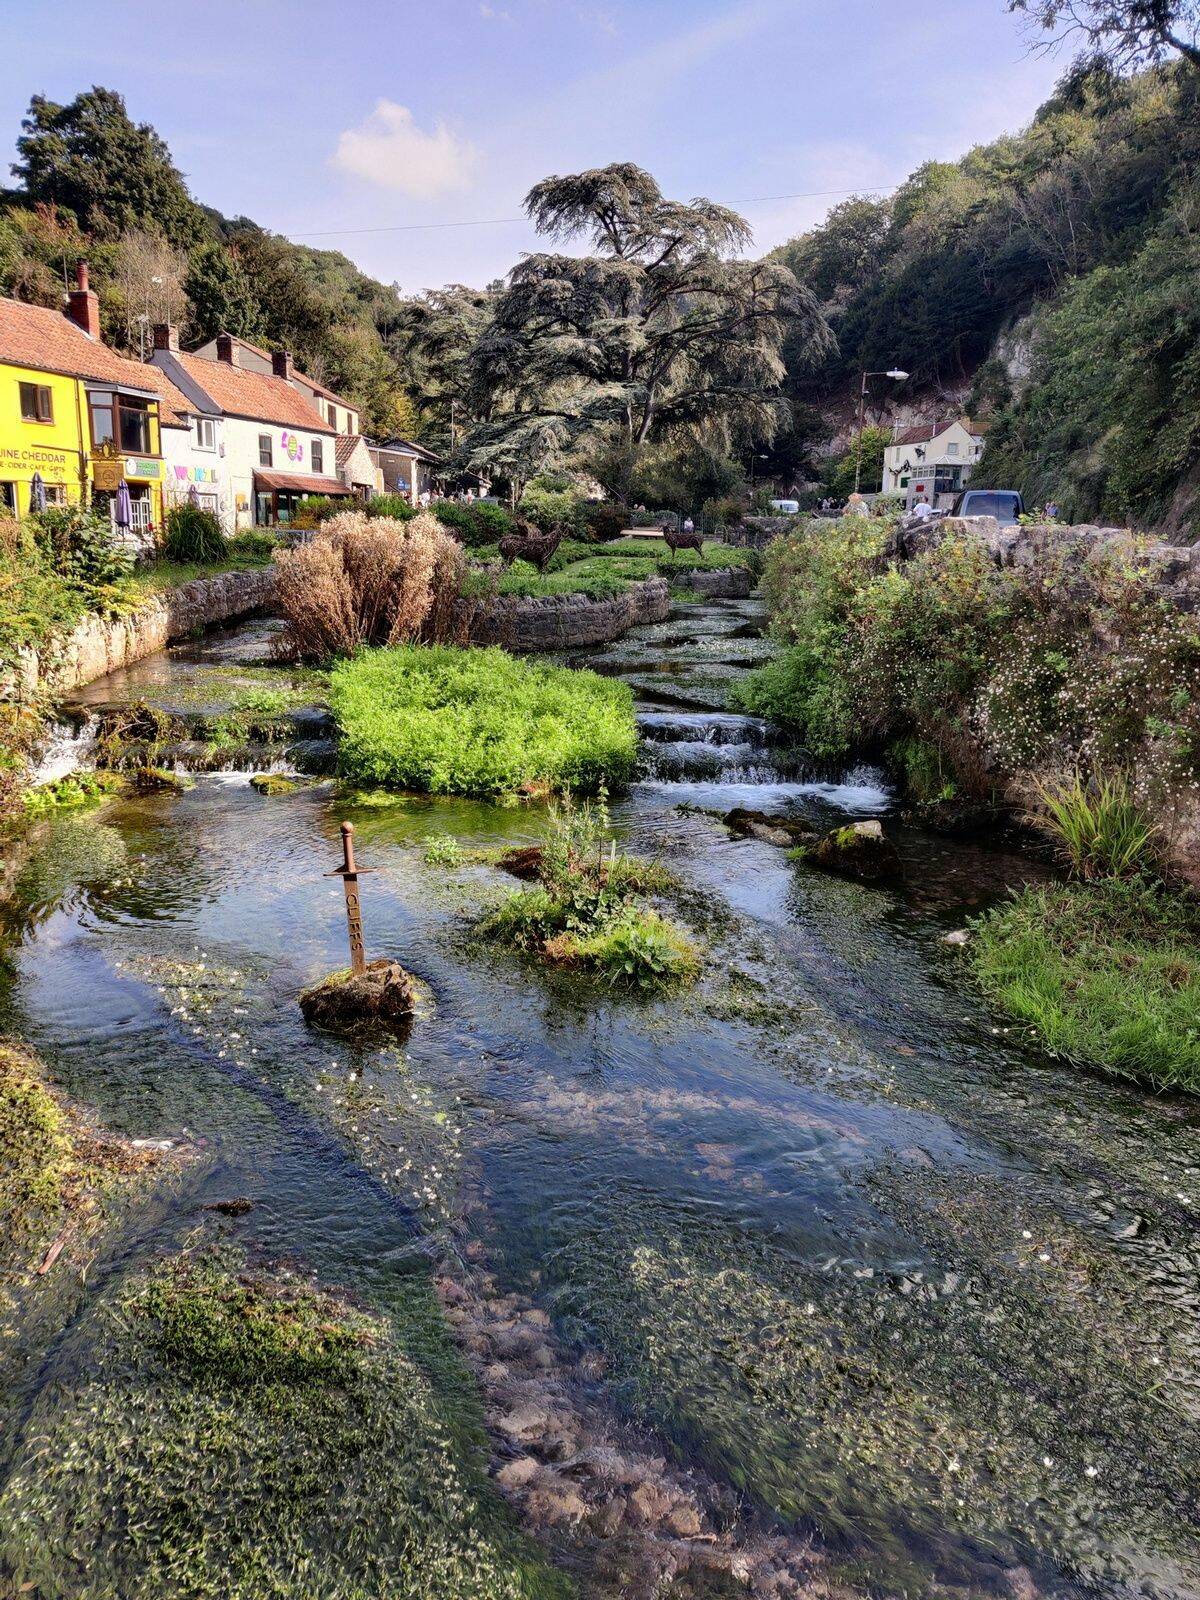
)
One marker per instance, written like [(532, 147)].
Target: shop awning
[(297, 483)]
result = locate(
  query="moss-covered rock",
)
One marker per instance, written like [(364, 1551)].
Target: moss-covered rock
[(860, 850), (384, 995), (157, 780), (272, 783)]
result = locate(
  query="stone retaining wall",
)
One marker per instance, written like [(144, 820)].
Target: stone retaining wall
[(569, 621), (101, 645), (724, 583)]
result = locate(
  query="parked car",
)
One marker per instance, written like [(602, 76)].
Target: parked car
[(785, 508), (1005, 505)]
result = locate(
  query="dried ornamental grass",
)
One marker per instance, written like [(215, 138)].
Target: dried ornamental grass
[(368, 581)]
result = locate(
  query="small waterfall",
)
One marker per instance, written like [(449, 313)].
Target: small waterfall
[(71, 745)]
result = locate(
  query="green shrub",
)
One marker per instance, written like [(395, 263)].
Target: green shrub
[(253, 548), (193, 534), (639, 948), (476, 522), (587, 908), (314, 509), (1107, 974), (466, 721), (1099, 825), (603, 521), (443, 850), (80, 545), (397, 506)]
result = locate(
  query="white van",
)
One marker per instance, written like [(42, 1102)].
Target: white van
[(785, 508)]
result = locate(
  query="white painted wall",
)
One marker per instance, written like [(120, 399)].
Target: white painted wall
[(185, 463), (241, 454), (953, 447)]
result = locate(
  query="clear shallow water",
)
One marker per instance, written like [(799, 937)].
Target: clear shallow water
[(840, 1238)]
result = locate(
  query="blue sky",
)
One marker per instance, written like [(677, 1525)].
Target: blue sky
[(333, 122)]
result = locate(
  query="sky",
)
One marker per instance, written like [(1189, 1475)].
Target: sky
[(406, 133)]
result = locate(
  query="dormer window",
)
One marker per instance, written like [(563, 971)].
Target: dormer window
[(206, 433)]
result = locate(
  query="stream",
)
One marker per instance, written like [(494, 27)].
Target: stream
[(842, 1239)]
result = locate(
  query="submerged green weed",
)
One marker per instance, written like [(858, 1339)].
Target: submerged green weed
[(243, 1434)]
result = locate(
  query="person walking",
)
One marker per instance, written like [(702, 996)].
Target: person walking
[(922, 509)]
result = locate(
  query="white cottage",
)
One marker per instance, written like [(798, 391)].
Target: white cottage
[(275, 447), (932, 459)]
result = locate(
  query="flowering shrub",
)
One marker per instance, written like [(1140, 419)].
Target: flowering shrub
[(976, 676)]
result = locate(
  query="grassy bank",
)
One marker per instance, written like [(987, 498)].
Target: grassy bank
[(444, 720), (1105, 973), (56, 1167), (335, 1457)]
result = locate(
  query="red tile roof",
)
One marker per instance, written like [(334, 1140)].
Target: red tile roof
[(296, 373), (47, 341), (257, 395)]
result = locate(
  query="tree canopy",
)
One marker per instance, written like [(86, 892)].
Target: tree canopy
[(1120, 34), (113, 174), (662, 331)]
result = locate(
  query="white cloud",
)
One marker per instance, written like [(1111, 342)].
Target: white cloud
[(493, 14), (390, 150)]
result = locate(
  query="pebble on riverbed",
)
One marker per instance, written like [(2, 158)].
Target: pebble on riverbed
[(566, 1466)]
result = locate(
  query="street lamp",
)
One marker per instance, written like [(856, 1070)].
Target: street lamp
[(892, 372)]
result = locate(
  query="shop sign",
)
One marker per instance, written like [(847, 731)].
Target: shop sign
[(30, 458), (137, 467), (107, 473)]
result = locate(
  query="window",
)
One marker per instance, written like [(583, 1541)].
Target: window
[(206, 433), (100, 410), (37, 404), (120, 419), (318, 455), (134, 416), (56, 495), (332, 409), (265, 457), (951, 449), (904, 482)]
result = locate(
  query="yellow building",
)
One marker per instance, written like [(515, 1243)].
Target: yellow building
[(79, 415)]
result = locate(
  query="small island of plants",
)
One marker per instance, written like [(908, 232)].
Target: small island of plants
[(449, 720)]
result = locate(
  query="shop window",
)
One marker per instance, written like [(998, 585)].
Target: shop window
[(206, 433), (265, 455), (318, 455), (56, 494), (8, 497), (37, 403)]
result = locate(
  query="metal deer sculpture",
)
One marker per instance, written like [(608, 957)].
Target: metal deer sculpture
[(530, 544), (678, 539)]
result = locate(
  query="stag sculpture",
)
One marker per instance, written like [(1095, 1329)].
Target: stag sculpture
[(681, 539), (530, 544)]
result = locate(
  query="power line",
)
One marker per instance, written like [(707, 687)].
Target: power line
[(495, 222)]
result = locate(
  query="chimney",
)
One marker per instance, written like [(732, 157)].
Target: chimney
[(166, 337), (281, 364), (226, 349), (83, 304)]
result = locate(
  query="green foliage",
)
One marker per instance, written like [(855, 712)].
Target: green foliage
[(1106, 974), (193, 534), (549, 506), (476, 522), (221, 295), (837, 474), (1109, 422), (454, 721), (36, 1154), (80, 545), (588, 908), (639, 949), (396, 506), (443, 850), (69, 793), (1100, 826), (90, 159), (314, 509)]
